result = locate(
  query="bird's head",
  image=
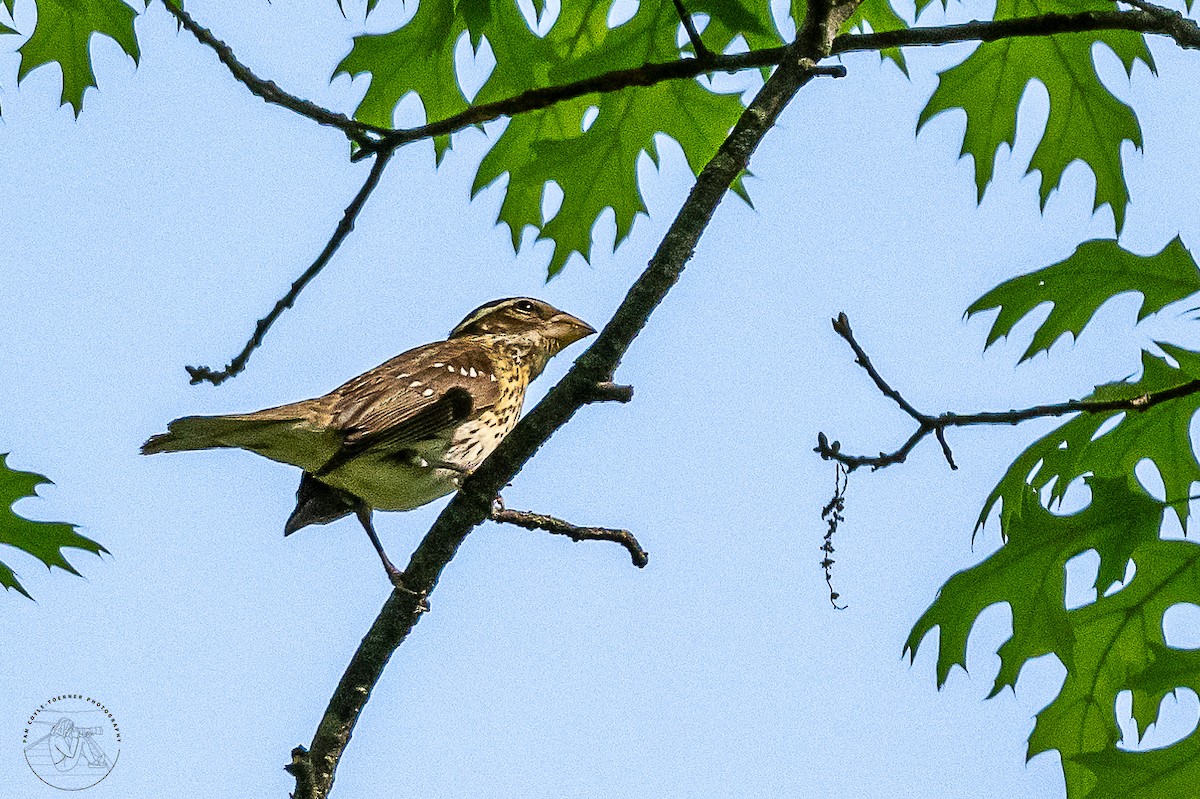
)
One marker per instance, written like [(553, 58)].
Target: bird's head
[(532, 327)]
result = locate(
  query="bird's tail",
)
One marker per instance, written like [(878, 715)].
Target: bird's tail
[(207, 432)]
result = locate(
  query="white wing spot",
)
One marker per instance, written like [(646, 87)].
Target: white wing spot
[(450, 368), (473, 372), (437, 365), (493, 377), (414, 384), (462, 370), (401, 377), (427, 392)]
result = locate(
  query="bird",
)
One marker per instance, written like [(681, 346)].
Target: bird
[(406, 432)]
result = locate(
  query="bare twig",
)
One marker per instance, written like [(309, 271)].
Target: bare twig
[(269, 90), (216, 377), (702, 51), (937, 425), (842, 326), (473, 504), (538, 521)]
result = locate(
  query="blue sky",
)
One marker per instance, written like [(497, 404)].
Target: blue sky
[(153, 232)]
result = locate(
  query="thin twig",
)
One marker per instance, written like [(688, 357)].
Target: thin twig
[(473, 503), (842, 326), (702, 51), (269, 90), (216, 377), (927, 423), (538, 521)]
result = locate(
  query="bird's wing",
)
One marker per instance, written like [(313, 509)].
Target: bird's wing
[(417, 396)]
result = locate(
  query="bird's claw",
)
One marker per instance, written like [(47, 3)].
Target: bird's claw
[(421, 598)]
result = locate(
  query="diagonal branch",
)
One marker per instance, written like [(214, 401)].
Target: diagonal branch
[(927, 424), (314, 768), (201, 374)]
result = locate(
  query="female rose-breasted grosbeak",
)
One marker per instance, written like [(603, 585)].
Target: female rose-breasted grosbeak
[(406, 432)]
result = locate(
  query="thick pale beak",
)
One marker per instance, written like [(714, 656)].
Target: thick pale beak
[(567, 329)]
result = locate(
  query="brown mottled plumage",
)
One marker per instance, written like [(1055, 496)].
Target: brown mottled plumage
[(406, 432)]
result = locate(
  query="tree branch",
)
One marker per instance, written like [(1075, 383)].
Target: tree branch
[(1149, 19), (372, 140), (205, 374), (1184, 31), (472, 504), (538, 521), (937, 425)]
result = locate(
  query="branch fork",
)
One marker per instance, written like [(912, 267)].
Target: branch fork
[(927, 424)]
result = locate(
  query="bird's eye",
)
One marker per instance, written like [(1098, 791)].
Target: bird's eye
[(524, 306)]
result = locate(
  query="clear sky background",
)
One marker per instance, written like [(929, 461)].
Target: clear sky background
[(154, 231)]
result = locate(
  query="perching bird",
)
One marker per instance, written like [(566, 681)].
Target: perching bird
[(406, 432)]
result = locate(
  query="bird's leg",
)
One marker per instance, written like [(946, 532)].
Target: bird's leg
[(395, 576), (364, 517)]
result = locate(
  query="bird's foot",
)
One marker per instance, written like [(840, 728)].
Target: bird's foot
[(421, 598)]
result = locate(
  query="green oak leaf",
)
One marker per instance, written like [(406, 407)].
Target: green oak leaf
[(1189, 361), (1028, 573), (1108, 646), (44, 540), (729, 19), (1086, 123), (1159, 433), (418, 57), (62, 34), (1097, 271), (596, 168), (1169, 670), (594, 164), (1117, 639), (1167, 773)]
